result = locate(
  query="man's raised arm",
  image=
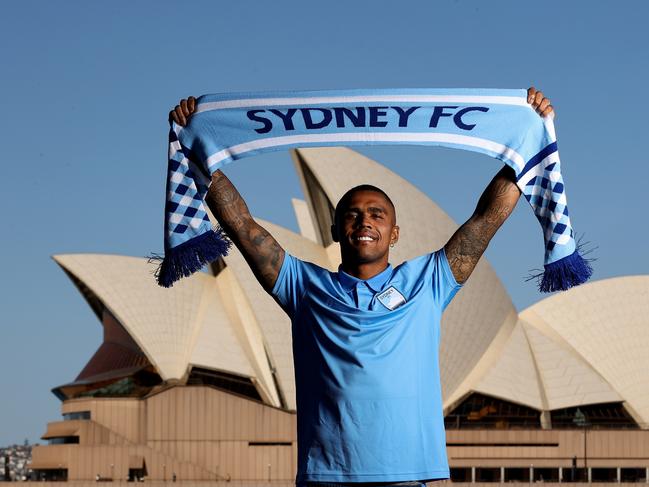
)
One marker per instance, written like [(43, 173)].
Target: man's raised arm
[(469, 242), (262, 252), (497, 202)]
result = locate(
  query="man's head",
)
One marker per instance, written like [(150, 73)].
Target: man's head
[(365, 225)]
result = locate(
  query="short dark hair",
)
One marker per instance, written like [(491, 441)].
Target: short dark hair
[(361, 187)]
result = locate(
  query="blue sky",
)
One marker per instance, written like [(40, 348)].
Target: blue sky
[(86, 87)]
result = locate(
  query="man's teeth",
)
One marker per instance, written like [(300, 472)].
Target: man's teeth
[(365, 238)]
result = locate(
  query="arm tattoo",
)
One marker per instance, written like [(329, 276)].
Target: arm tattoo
[(262, 252), (469, 242)]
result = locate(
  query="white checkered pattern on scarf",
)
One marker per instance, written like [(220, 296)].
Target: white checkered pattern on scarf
[(186, 190)]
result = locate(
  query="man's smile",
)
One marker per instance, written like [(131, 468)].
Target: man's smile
[(363, 237)]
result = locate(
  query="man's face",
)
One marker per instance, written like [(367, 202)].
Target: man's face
[(366, 227)]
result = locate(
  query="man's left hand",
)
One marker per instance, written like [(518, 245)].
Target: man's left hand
[(539, 102)]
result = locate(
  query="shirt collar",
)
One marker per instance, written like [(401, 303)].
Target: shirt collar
[(375, 283)]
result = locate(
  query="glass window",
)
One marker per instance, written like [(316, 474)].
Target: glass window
[(574, 474), (542, 474), (461, 474), (63, 440), (485, 412), (76, 415), (594, 416), (487, 474), (636, 474), (517, 474), (604, 474)]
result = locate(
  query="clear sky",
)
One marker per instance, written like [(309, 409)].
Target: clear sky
[(85, 88)]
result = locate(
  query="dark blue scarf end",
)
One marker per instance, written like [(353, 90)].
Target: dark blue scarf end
[(565, 273), (191, 256)]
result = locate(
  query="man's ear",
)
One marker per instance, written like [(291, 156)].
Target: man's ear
[(334, 233), (395, 234)]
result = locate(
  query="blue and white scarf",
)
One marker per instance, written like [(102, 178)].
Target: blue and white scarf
[(227, 127)]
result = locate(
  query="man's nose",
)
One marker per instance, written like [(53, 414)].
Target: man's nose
[(363, 220)]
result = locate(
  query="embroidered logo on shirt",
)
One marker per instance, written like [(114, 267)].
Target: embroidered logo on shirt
[(391, 298)]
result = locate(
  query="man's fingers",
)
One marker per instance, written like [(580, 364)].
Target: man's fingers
[(180, 117), (548, 111), (543, 105), (180, 114), (183, 106), (540, 103)]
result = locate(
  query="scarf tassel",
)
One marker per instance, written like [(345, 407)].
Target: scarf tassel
[(565, 273), (191, 256)]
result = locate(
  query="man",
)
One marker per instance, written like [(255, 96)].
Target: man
[(366, 338)]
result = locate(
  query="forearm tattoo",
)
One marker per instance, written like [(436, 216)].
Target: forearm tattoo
[(469, 242), (262, 252)]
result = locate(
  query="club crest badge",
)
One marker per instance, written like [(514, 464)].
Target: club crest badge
[(391, 298)]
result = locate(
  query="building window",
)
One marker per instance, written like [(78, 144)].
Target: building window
[(546, 474), (604, 474), (51, 475), (461, 474), (63, 440), (487, 474), (635, 474), (517, 474), (479, 411), (223, 380), (593, 416), (121, 388), (76, 415), (574, 474)]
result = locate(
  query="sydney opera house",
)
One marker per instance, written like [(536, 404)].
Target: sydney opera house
[(196, 382)]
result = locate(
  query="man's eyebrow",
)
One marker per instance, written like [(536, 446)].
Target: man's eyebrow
[(377, 208), (371, 208)]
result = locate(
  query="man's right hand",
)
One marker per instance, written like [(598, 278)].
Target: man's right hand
[(180, 114)]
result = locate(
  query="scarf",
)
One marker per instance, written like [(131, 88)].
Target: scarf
[(231, 126)]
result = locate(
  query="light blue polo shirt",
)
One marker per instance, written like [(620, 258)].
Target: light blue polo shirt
[(369, 399)]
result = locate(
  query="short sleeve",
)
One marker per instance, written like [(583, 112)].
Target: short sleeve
[(444, 284), (290, 284)]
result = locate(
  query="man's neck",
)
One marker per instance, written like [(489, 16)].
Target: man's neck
[(365, 270)]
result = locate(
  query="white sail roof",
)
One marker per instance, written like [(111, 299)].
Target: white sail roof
[(605, 323), (173, 327)]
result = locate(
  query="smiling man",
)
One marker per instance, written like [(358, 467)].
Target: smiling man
[(366, 338), (365, 247)]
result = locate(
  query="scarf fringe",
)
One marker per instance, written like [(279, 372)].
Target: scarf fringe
[(191, 256), (564, 273)]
